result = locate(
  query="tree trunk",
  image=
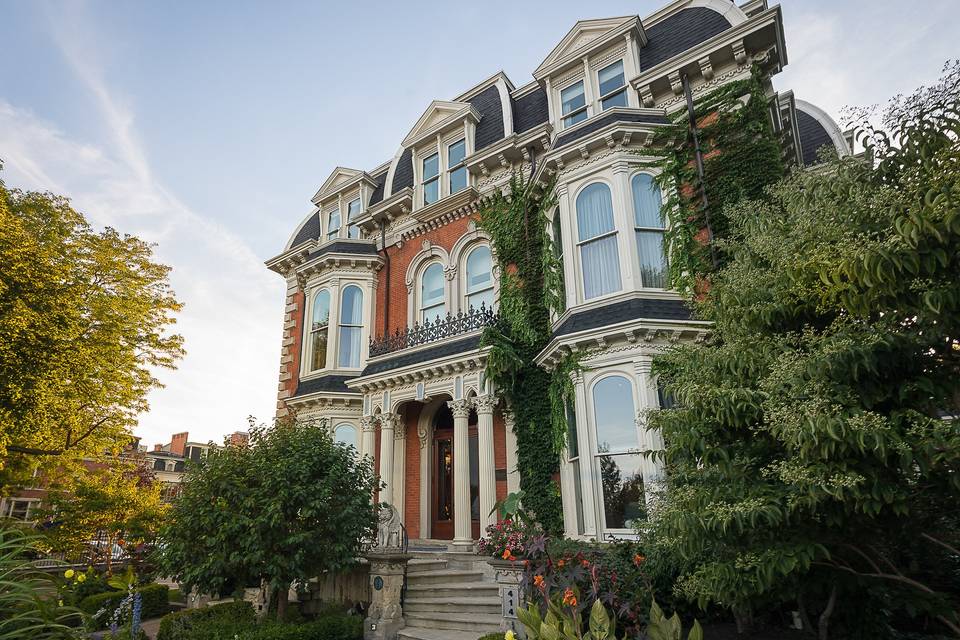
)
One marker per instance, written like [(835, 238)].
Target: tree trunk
[(282, 602), (804, 616), (825, 616)]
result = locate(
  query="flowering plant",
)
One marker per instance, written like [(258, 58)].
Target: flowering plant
[(510, 539)]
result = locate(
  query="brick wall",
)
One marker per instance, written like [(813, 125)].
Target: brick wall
[(400, 259), (411, 504), (290, 350), (500, 453), (178, 443)]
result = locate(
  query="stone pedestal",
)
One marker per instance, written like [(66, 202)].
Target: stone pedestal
[(385, 616), (508, 576)]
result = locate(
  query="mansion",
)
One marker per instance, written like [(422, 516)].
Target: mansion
[(390, 282)]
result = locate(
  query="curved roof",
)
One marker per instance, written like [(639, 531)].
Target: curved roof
[(817, 129)]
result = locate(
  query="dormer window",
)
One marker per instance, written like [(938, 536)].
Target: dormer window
[(613, 86), (333, 224), (573, 104), (431, 178), (353, 210), (456, 168)]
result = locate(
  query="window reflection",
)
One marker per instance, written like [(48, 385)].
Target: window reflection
[(623, 501)]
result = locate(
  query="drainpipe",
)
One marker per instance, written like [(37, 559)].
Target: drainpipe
[(691, 113), (386, 275)]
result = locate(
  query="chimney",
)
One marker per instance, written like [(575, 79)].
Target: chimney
[(158, 447), (238, 438), (178, 443)]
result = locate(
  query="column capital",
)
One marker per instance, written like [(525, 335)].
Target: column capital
[(368, 423), (484, 404), (460, 408), (509, 417), (400, 430), (389, 420)]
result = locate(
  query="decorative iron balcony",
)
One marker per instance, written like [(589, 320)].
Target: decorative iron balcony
[(440, 328)]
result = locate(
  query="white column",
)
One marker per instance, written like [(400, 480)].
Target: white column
[(368, 430), (513, 472), (488, 473), (387, 422), (590, 481), (399, 464), (462, 535)]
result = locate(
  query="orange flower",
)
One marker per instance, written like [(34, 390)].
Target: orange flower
[(538, 582), (585, 562), (569, 598), (638, 559), (507, 555), (560, 563)]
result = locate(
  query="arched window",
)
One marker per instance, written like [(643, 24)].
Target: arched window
[(346, 434), (432, 304), (648, 225), (319, 329), (598, 241), (480, 278), (351, 324), (621, 470), (333, 224)]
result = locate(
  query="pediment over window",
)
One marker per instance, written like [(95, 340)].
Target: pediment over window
[(584, 36), (439, 116), (339, 178)]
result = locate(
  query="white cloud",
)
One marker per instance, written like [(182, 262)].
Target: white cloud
[(233, 306)]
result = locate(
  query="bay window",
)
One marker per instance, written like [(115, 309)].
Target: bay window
[(319, 330), (432, 304), (431, 178), (617, 443), (649, 230), (351, 326), (346, 434), (599, 259), (456, 168), (573, 104), (613, 86), (480, 279)]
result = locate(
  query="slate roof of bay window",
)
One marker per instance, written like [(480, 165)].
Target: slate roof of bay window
[(490, 127), (415, 357), (651, 309), (355, 248), (529, 110), (403, 174), (812, 137), (677, 33), (599, 123), (309, 230), (377, 194), (331, 383)]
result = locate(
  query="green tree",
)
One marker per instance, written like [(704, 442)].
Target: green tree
[(290, 505), (84, 324), (814, 455)]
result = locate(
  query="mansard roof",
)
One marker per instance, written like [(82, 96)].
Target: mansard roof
[(817, 129)]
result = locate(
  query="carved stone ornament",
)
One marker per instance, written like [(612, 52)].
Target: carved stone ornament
[(460, 408), (484, 404), (368, 423)]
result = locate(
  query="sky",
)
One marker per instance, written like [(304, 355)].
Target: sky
[(206, 127)]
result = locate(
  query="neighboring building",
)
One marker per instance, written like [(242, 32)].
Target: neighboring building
[(168, 461), (395, 251)]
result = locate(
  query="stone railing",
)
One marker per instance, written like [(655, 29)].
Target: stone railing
[(442, 327)]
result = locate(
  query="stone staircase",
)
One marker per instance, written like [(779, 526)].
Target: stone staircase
[(450, 596)]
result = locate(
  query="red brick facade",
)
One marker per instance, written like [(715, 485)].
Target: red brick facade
[(290, 351)]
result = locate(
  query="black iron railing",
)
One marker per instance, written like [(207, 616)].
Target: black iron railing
[(431, 331)]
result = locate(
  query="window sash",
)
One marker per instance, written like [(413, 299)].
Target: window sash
[(456, 152), (573, 98), (431, 191), (458, 180), (431, 166), (616, 99), (353, 211), (333, 224), (577, 116), (432, 312), (600, 264), (653, 262)]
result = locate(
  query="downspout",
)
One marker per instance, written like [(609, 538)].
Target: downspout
[(386, 267), (691, 113)]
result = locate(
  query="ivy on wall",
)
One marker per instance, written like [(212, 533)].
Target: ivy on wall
[(741, 156)]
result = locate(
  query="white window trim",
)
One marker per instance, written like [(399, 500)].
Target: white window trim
[(6, 508), (581, 292), (586, 102), (364, 325), (418, 291), (308, 326), (429, 254), (638, 277), (439, 146), (624, 87), (336, 285)]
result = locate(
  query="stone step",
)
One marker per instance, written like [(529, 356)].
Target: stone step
[(444, 576), (479, 623), (419, 633), (420, 566), (424, 603), (452, 590)]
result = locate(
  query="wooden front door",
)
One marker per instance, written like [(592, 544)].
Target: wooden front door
[(442, 481)]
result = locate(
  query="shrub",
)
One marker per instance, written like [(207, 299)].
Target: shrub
[(493, 636), (154, 602), (181, 625), (509, 538)]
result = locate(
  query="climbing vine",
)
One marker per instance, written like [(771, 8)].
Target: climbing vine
[(741, 156)]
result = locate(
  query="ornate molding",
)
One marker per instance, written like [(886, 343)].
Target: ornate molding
[(388, 420), (460, 408), (368, 424), (484, 404)]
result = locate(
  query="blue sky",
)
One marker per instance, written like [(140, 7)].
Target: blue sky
[(207, 126)]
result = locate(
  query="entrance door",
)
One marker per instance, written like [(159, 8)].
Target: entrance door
[(442, 507)]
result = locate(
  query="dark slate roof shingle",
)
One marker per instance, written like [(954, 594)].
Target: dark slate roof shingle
[(309, 230), (355, 248), (331, 383), (530, 110), (490, 127), (812, 137), (679, 32), (403, 174), (377, 194), (406, 359), (610, 118), (632, 309)]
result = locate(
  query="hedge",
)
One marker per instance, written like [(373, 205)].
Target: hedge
[(154, 603), (196, 624)]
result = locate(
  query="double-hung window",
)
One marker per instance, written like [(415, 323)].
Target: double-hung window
[(649, 229), (431, 178), (432, 302), (599, 258), (333, 224), (613, 87), (456, 168), (351, 325), (573, 104), (573, 458), (480, 279), (353, 211), (617, 453), (319, 329)]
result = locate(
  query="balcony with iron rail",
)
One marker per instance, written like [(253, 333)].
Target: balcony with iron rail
[(441, 328)]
